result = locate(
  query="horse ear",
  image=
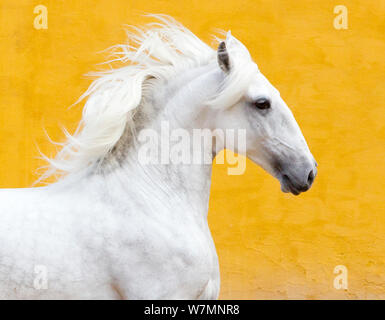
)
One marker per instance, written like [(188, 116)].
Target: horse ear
[(223, 57)]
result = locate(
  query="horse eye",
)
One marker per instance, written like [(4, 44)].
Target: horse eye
[(262, 103)]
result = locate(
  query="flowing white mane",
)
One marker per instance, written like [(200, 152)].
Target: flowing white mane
[(159, 50)]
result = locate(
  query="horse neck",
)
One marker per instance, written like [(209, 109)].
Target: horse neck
[(180, 104)]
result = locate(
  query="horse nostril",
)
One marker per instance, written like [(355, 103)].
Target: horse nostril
[(310, 178)]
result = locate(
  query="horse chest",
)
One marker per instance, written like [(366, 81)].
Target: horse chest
[(168, 260)]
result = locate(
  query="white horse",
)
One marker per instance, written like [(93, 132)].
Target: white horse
[(114, 227)]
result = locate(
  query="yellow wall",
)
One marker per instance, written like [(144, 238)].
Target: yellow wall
[(270, 244)]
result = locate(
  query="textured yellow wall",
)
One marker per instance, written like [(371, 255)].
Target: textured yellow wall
[(270, 244)]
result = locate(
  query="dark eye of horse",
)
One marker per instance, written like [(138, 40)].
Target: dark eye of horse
[(262, 104)]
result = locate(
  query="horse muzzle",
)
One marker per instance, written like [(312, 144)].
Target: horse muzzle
[(298, 180)]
